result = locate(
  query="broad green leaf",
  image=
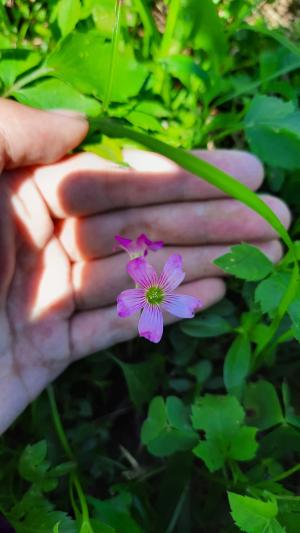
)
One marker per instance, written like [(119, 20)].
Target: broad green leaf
[(273, 131), (243, 447), (254, 516), (196, 24), (95, 56), (115, 513), (142, 379), (237, 365), (201, 370), (68, 14), (55, 94), (156, 420), (206, 326), (103, 14), (167, 428), (269, 292), (13, 63), (226, 436), (33, 461), (34, 513), (262, 403), (245, 262)]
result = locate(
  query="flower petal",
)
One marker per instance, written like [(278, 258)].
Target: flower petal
[(142, 272), (172, 274), (181, 305), (151, 323), (130, 301), (144, 241), (123, 242)]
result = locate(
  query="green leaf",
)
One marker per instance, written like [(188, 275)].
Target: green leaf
[(34, 513), (167, 428), (115, 513), (68, 14), (262, 403), (15, 62), (254, 516), (269, 292), (92, 76), (55, 94), (142, 379), (237, 365), (245, 262), (32, 463), (198, 25), (156, 420), (273, 131), (226, 436), (107, 148), (103, 14), (206, 326)]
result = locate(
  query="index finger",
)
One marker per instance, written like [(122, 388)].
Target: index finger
[(86, 184)]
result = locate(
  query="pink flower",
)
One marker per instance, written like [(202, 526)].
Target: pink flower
[(155, 293), (139, 247)]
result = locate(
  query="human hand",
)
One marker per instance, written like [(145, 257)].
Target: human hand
[(60, 273)]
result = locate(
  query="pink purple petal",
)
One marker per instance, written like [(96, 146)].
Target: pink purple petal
[(142, 272), (172, 274), (151, 323), (130, 301), (181, 305), (123, 242), (144, 241)]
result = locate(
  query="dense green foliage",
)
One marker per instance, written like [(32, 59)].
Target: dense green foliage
[(202, 432)]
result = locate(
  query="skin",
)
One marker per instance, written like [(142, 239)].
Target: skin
[(60, 269)]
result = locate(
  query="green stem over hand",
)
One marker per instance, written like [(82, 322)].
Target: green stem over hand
[(200, 168), (225, 183)]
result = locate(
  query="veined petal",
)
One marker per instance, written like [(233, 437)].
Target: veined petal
[(130, 301), (172, 274), (123, 242), (151, 323), (142, 272), (144, 241), (181, 305)]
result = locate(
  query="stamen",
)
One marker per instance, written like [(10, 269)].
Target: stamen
[(155, 295)]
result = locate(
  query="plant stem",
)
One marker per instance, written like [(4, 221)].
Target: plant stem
[(69, 452), (283, 475), (114, 52), (25, 80), (148, 23), (173, 13)]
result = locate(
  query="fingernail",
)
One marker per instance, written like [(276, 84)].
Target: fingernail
[(68, 113)]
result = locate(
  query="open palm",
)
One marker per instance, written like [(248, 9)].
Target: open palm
[(60, 273)]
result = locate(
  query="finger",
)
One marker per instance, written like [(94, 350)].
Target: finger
[(192, 223), (96, 330), (98, 283), (85, 183), (32, 216), (31, 136)]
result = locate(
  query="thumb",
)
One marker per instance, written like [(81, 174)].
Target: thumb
[(30, 136)]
